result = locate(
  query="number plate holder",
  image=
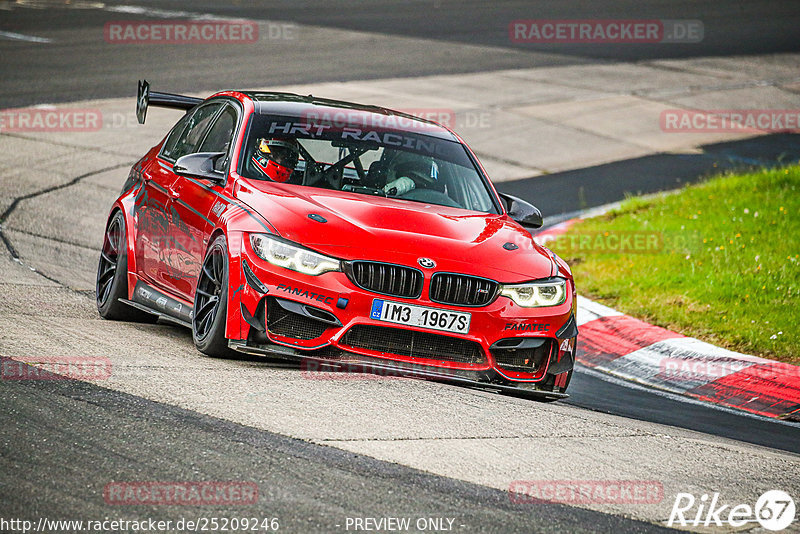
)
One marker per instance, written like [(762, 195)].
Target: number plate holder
[(389, 311)]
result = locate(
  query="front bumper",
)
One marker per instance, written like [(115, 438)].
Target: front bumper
[(326, 318)]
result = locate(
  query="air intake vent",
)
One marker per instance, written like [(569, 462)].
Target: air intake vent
[(524, 360), (462, 290), (415, 344), (386, 278), (288, 324)]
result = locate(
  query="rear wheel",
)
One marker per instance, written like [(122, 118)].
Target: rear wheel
[(112, 276), (211, 302)]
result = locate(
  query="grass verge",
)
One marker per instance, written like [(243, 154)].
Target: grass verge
[(719, 261)]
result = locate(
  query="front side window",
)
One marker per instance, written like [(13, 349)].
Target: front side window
[(188, 133), (221, 133), (220, 136)]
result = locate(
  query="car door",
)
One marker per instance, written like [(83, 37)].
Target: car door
[(162, 236), (152, 221), (194, 198)]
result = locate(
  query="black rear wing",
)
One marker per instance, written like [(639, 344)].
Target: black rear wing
[(145, 98)]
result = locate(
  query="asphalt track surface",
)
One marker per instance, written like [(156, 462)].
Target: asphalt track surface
[(560, 194), (393, 38), (311, 487)]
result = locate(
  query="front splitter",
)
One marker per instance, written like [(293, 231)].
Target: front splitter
[(346, 362)]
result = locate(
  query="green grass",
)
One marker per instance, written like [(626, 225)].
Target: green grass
[(719, 261)]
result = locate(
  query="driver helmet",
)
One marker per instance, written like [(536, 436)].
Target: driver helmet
[(421, 169), (276, 158)]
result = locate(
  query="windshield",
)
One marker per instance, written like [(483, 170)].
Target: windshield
[(392, 163)]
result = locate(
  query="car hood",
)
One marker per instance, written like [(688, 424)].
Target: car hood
[(382, 229)]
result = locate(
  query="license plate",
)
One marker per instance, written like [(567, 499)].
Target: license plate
[(421, 316)]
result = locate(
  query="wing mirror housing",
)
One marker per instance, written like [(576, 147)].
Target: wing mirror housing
[(200, 165), (524, 213)]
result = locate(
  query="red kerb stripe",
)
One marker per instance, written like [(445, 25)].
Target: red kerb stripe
[(607, 338)]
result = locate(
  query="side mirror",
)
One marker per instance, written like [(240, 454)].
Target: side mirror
[(522, 212), (200, 165)]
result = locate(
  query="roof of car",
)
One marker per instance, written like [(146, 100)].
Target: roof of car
[(294, 105)]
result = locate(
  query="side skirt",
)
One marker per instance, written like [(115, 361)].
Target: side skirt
[(151, 300)]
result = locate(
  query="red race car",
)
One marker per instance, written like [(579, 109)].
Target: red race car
[(339, 234)]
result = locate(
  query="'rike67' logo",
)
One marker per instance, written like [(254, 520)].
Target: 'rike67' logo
[(774, 510)]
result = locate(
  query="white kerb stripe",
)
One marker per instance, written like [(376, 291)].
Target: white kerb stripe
[(677, 364), (589, 311)]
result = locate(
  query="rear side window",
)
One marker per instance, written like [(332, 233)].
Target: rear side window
[(189, 131)]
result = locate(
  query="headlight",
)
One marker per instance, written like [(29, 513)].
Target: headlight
[(285, 254), (550, 292)]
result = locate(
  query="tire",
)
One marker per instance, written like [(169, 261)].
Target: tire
[(112, 276), (550, 384), (211, 302)]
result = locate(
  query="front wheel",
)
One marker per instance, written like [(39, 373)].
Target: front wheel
[(550, 384), (211, 302)]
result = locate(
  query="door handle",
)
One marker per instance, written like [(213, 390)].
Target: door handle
[(175, 192)]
